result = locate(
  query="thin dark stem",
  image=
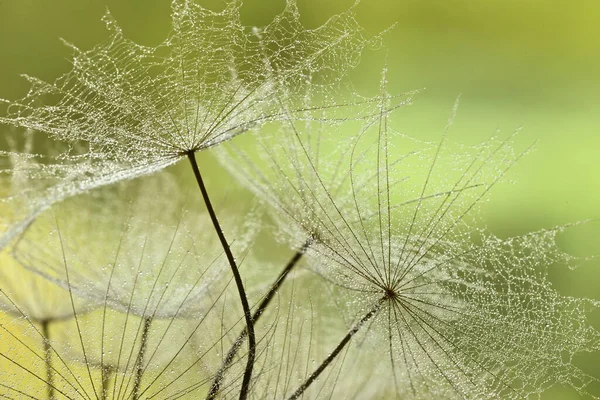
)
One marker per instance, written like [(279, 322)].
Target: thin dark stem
[(107, 372), (48, 359), (236, 275), (337, 350), (218, 380), (139, 364)]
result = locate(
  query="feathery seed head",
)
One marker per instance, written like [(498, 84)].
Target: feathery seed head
[(126, 110), (458, 312), (123, 246)]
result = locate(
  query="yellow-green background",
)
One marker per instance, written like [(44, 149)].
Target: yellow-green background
[(529, 63)]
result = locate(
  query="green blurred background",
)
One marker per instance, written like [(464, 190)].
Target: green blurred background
[(529, 63)]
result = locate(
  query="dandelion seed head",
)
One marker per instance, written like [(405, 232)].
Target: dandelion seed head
[(125, 110), (122, 246), (43, 300), (153, 269), (463, 314)]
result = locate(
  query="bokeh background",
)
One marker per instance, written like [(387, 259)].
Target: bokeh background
[(516, 63)]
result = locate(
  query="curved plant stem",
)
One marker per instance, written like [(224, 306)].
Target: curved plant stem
[(139, 370), (337, 350), (218, 380), (48, 359), (236, 274)]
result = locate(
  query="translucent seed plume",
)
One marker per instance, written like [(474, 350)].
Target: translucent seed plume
[(464, 314), (126, 110)]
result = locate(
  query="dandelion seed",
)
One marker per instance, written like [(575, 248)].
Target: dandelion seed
[(141, 254), (156, 274), (126, 110), (43, 301), (109, 354), (457, 312), (43, 305)]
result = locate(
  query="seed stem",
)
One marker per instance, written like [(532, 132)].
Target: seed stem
[(139, 364), (236, 274), (216, 385), (337, 350), (107, 371), (48, 358)]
